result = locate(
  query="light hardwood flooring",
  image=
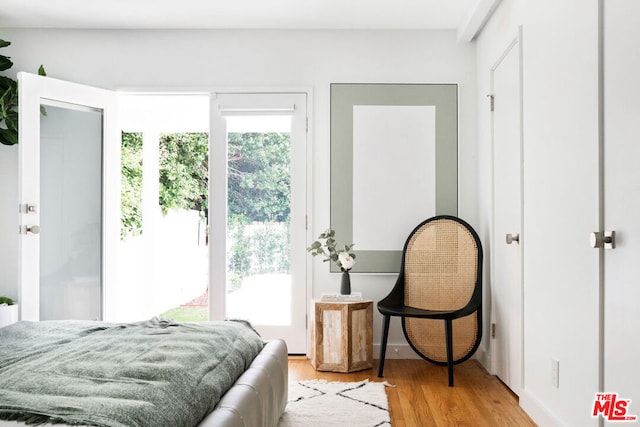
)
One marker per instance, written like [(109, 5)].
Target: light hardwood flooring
[(422, 398)]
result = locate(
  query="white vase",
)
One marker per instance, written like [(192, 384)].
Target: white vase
[(8, 314)]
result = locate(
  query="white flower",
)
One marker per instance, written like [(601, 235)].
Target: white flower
[(346, 260)]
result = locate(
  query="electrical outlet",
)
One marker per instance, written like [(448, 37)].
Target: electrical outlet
[(555, 373)]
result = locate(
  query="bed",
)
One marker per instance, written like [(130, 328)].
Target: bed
[(152, 373)]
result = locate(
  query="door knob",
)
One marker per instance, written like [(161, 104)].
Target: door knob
[(603, 239), (513, 238), (33, 229)]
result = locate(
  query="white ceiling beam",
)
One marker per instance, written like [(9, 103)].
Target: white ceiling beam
[(476, 18)]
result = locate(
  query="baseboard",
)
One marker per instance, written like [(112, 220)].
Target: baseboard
[(529, 404), (484, 357), (404, 351), (537, 411), (396, 351)]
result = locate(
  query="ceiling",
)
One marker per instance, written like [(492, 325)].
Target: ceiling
[(237, 14)]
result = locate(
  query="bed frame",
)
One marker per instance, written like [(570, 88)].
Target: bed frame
[(257, 399)]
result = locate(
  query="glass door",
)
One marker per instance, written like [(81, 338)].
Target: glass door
[(70, 212), (259, 207), (68, 199)]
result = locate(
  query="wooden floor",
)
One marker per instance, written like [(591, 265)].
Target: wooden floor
[(422, 398)]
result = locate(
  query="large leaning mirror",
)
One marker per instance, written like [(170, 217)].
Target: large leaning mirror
[(394, 163)]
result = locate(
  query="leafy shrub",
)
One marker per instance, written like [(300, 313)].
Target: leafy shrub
[(257, 248), (131, 187)]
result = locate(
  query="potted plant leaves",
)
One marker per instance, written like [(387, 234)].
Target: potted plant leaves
[(9, 100)]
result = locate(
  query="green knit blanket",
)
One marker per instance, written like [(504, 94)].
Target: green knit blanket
[(154, 373)]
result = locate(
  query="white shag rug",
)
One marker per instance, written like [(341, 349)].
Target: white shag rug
[(318, 403)]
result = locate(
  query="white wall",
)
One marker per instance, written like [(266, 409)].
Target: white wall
[(561, 271), (164, 59)]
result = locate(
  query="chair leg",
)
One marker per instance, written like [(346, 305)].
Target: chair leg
[(448, 324), (383, 344)]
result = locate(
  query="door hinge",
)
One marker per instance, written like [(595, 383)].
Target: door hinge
[(493, 330), (306, 126), (492, 102), (306, 222)]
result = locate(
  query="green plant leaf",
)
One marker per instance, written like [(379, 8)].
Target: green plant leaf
[(8, 97), (9, 101), (11, 120), (4, 103), (6, 83), (316, 245), (8, 137), (6, 300), (5, 63)]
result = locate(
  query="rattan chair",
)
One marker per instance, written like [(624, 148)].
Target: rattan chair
[(438, 293)]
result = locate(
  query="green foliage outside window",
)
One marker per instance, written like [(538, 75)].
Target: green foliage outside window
[(184, 172), (257, 248), (259, 196), (259, 177), (131, 187)]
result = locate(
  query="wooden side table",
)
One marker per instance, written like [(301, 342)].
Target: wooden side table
[(342, 336)]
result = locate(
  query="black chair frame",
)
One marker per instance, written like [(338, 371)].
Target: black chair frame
[(393, 305)]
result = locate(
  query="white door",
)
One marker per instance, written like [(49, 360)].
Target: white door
[(258, 202), (69, 178), (506, 307), (622, 200)]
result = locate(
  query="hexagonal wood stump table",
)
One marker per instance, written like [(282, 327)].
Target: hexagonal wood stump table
[(342, 336)]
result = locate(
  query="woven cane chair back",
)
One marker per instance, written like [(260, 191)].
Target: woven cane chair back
[(440, 269)]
